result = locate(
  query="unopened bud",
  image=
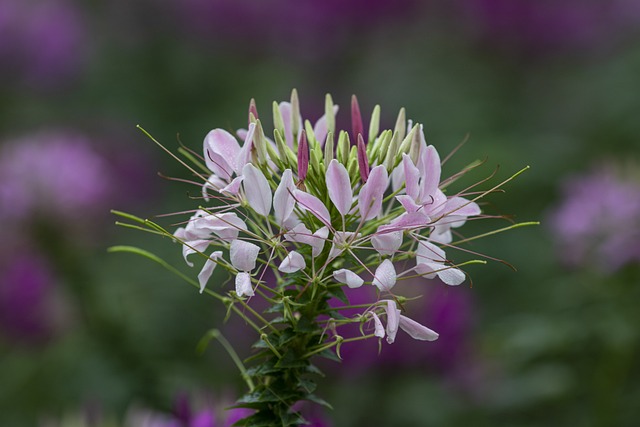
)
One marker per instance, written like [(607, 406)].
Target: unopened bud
[(303, 157), (363, 162), (329, 114), (357, 128), (253, 111), (296, 118), (278, 123), (328, 148), (374, 126)]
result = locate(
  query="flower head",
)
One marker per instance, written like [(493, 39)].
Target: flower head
[(345, 201)]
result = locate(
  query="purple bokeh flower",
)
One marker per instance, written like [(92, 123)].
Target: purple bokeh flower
[(57, 175), (598, 220), (544, 26), (42, 43), (26, 283)]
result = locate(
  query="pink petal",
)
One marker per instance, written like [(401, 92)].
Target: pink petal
[(460, 206), (207, 269), (407, 221), (243, 255), (257, 190), (397, 178), (379, 332), (416, 330), (292, 263), (430, 169), (411, 176), (220, 152), (385, 276), (372, 193), (393, 320), (283, 201), (244, 156), (243, 284), (312, 204), (339, 186), (348, 277), (408, 203), (233, 187), (320, 128), (387, 243), (214, 182)]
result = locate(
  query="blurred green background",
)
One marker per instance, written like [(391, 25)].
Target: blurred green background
[(87, 335)]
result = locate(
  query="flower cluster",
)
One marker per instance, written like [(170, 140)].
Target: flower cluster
[(302, 219), (306, 205)]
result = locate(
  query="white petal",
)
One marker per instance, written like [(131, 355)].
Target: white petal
[(416, 330), (387, 243), (257, 190), (220, 152), (319, 238), (207, 269), (393, 320), (451, 276), (428, 252), (225, 225), (192, 247), (292, 263), (243, 255), (214, 182), (379, 332), (243, 284), (348, 277), (338, 243), (385, 276)]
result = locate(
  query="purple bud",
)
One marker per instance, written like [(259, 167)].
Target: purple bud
[(363, 162), (253, 110), (356, 118), (303, 157)]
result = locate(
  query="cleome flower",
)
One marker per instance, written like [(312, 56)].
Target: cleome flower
[(303, 217), (320, 206)]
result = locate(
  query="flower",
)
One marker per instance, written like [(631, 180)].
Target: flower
[(274, 204), (598, 218), (43, 41), (34, 180), (338, 199)]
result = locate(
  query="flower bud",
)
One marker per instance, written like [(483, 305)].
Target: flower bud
[(303, 157), (253, 111), (296, 118), (374, 126), (363, 162), (357, 127)]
